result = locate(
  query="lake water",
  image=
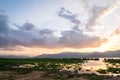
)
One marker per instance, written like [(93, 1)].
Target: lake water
[(91, 66), (94, 65)]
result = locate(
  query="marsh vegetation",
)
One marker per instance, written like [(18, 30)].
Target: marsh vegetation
[(60, 69)]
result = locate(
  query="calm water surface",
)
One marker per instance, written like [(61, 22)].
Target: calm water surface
[(91, 66)]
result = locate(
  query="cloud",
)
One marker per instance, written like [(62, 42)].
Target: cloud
[(3, 41), (118, 2), (24, 35), (97, 11), (3, 23), (77, 39), (116, 32), (27, 26), (93, 10), (118, 17), (64, 13), (1, 11), (45, 31), (28, 35), (13, 48)]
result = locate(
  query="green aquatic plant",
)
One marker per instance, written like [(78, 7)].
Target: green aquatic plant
[(102, 71)]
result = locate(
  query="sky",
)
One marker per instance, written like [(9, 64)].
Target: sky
[(34, 27)]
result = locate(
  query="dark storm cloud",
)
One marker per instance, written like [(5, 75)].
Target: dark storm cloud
[(28, 36)]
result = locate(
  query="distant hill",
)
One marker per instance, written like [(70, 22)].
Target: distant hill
[(70, 55), (81, 55), (62, 55), (105, 54)]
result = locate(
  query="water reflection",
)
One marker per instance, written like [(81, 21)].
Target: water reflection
[(92, 66)]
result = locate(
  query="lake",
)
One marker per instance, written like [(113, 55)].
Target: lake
[(92, 66)]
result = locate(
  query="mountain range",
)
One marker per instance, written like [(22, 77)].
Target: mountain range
[(70, 55), (81, 55)]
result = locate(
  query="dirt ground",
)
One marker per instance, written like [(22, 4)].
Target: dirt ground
[(35, 75), (42, 75)]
